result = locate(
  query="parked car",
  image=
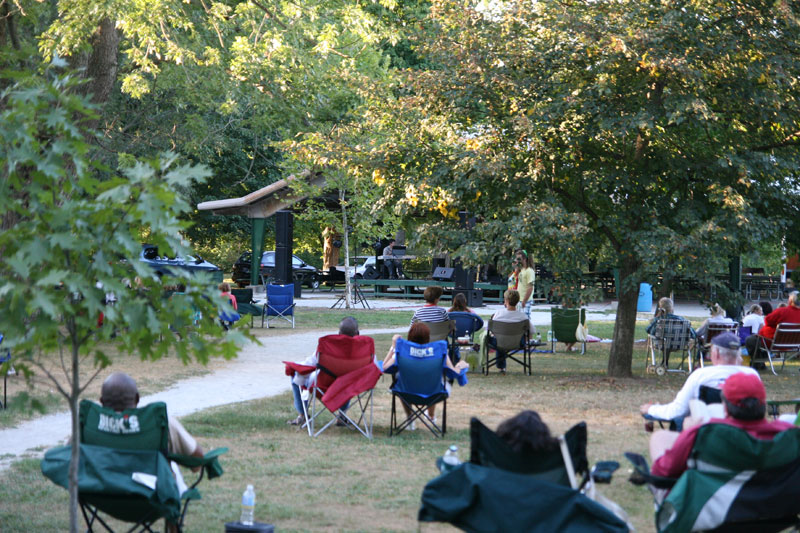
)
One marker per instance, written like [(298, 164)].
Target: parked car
[(359, 270), (167, 265), (302, 272)]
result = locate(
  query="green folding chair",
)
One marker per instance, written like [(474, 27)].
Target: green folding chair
[(735, 482), (124, 467), (564, 324)]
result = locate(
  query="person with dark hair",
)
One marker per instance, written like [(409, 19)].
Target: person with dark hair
[(460, 304), (766, 307), (348, 326), (393, 265), (745, 402), (419, 333), (430, 312), (527, 433)]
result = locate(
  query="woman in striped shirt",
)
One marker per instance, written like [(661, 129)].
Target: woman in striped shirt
[(430, 312)]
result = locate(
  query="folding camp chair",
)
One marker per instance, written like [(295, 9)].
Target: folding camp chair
[(246, 304), (442, 331), (564, 325), (466, 324), (280, 303), (735, 482), (5, 358), (419, 381), (712, 331), (504, 490), (345, 370), (670, 335), (124, 467), (512, 338), (785, 345)]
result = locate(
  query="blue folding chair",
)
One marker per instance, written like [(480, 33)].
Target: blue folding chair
[(280, 303), (466, 324), (420, 373), (5, 356)]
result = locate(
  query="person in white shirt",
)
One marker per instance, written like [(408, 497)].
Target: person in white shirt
[(509, 313), (725, 361), (754, 319)]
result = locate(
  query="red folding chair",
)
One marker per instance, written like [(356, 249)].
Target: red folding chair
[(345, 378), (785, 345)]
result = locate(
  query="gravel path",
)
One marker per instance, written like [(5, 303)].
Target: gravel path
[(256, 373)]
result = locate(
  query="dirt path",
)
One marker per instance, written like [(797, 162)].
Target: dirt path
[(256, 373)]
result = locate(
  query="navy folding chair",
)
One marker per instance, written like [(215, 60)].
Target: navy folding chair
[(419, 382), (280, 303), (463, 334)]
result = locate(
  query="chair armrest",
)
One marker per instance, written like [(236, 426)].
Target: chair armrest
[(641, 473), (303, 370), (209, 462), (460, 377)]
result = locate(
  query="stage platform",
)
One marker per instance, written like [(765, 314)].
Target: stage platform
[(413, 288)]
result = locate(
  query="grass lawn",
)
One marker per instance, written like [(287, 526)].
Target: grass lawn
[(342, 482)]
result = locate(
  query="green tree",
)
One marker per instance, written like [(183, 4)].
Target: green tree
[(76, 235), (664, 133)]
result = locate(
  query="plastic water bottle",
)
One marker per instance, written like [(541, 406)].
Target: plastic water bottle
[(549, 335), (248, 506), (450, 459), (538, 338)]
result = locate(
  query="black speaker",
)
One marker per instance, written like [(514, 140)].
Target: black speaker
[(283, 265), (474, 296), (371, 273), (284, 229), (443, 274), (464, 278)]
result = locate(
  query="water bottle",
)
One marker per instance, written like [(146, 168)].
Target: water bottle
[(549, 335), (538, 338), (248, 506), (450, 459)]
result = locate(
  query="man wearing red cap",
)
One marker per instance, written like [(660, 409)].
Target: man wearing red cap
[(745, 401)]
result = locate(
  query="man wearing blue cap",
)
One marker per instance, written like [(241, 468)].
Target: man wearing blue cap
[(725, 361)]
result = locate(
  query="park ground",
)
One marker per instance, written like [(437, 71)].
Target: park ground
[(340, 481)]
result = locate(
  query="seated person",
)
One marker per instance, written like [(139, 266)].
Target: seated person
[(725, 361), (526, 433), (393, 265), (420, 334), (348, 326), (430, 312), (508, 314), (460, 304), (665, 311), (754, 319), (717, 317), (119, 392), (789, 313), (227, 319), (745, 402)]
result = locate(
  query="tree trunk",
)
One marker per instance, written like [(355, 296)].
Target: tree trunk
[(75, 442), (101, 68), (621, 354)]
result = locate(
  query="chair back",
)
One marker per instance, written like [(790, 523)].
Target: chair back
[(744, 332), (672, 334), (736, 480), (243, 296), (420, 367), (466, 324), (715, 329), (709, 395), (509, 334), (440, 330), (340, 354), (487, 449), (564, 322), (787, 338), (280, 299), (143, 428)]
